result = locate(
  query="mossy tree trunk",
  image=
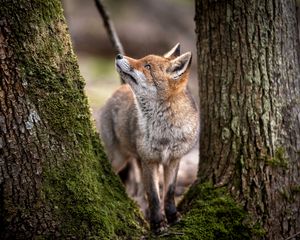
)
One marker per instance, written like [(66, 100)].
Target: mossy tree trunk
[(249, 73), (55, 181)]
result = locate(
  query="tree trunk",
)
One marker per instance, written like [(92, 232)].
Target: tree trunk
[(248, 67), (55, 180)]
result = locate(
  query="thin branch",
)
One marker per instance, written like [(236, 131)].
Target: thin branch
[(295, 235), (170, 234), (109, 27)]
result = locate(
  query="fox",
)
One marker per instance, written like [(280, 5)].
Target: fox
[(153, 119)]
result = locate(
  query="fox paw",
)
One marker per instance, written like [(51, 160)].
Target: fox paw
[(158, 228)]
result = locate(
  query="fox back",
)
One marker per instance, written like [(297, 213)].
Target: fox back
[(152, 118)]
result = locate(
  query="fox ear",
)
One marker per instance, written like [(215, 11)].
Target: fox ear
[(174, 52), (180, 65)]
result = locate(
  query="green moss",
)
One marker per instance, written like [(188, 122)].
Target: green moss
[(279, 159), (285, 194), (87, 199), (84, 198), (90, 200), (295, 189), (210, 213), (290, 193)]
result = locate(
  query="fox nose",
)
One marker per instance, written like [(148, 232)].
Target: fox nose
[(119, 57)]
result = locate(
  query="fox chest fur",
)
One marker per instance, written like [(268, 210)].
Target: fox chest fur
[(151, 130), (166, 129)]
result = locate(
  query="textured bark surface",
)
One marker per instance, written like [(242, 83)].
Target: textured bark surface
[(55, 180), (248, 66)]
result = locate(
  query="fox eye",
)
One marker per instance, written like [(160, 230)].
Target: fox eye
[(147, 66)]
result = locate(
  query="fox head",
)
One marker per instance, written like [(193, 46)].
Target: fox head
[(156, 77)]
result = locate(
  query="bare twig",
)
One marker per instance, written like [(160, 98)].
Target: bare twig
[(109, 27), (295, 235), (170, 233)]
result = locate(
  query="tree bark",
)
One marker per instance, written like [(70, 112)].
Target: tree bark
[(55, 180), (248, 67)]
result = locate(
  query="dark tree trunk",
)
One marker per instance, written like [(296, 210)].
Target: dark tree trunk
[(55, 180), (248, 66)]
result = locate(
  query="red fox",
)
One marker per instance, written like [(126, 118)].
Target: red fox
[(153, 119)]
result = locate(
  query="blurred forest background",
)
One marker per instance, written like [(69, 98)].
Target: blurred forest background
[(144, 27)]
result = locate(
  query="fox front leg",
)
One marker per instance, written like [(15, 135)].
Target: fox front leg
[(170, 177), (151, 186)]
